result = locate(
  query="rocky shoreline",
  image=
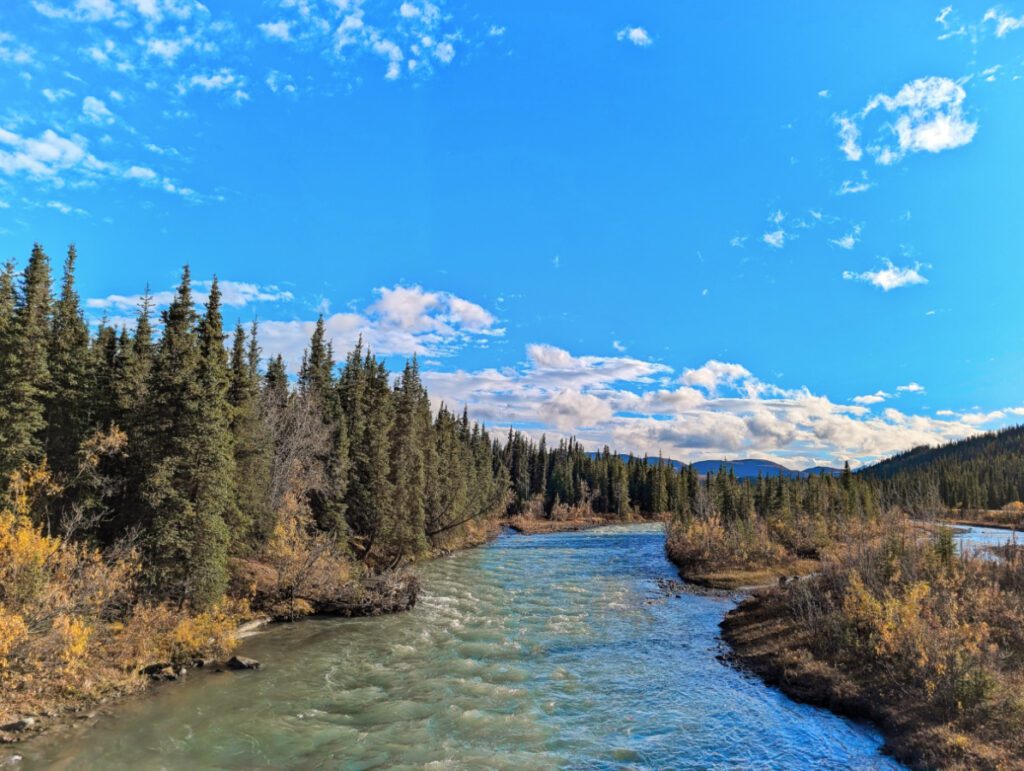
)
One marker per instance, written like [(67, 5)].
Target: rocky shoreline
[(375, 596)]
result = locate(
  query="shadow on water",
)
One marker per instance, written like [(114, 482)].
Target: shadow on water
[(533, 652)]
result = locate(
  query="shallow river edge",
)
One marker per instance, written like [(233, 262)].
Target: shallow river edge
[(765, 640)]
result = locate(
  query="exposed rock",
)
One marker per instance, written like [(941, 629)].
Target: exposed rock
[(203, 663), (241, 662), (386, 593), (19, 725)]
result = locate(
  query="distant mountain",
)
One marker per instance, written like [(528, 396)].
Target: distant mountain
[(751, 467), (746, 468)]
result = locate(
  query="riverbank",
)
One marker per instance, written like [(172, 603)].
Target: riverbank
[(536, 526), (523, 654), (767, 640), (748, 579), (193, 645)]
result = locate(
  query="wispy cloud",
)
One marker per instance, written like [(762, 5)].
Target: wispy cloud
[(925, 115), (848, 240), (234, 294), (854, 186)]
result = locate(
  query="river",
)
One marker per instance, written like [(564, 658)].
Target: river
[(532, 652)]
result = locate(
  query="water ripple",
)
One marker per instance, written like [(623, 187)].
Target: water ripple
[(534, 652)]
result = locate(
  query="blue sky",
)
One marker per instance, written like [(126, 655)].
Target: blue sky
[(771, 230)]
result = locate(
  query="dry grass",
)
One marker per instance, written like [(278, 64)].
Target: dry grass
[(899, 629)]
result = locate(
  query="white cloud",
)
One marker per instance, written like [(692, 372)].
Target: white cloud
[(618, 346), (912, 387), (718, 408), (140, 172), (64, 208), (849, 133), (402, 321), (848, 240), (1004, 22), (824, 93), (496, 31), (853, 186), (636, 35), (890, 277), (737, 241), (715, 374), (80, 10), (776, 238), (216, 81), (96, 111), (12, 52), (53, 96), (234, 294), (411, 39), (876, 398), (277, 30), (280, 82), (44, 156), (925, 115)]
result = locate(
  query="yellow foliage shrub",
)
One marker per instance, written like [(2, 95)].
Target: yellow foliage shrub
[(70, 621)]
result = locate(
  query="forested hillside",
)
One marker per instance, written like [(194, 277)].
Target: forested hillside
[(983, 472)]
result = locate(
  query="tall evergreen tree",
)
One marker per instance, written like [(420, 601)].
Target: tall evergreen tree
[(190, 487), (251, 440), (67, 406), (26, 387)]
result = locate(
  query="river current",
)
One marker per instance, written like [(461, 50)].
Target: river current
[(532, 652)]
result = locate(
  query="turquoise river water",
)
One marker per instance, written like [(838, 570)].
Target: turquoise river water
[(552, 651)]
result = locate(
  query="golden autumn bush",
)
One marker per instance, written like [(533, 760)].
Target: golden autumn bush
[(712, 544), (925, 625), (71, 625), (299, 567)]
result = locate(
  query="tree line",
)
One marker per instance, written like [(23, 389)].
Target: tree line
[(191, 448), (982, 472)]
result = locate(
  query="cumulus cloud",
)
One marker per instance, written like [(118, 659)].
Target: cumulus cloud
[(776, 238), (716, 408), (925, 115), (890, 277), (45, 156), (402, 321), (638, 36), (913, 388)]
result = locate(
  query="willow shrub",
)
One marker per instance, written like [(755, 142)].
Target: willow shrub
[(922, 623), (71, 624)]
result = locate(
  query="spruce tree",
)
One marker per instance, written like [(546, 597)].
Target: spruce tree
[(189, 487), (26, 387), (67, 408), (251, 440), (8, 302), (403, 532)]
